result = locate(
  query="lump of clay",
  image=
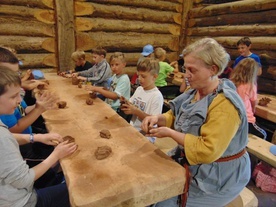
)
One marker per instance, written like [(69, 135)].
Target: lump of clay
[(264, 101), (102, 152), (123, 100), (105, 133), (41, 86), (80, 84), (75, 81), (93, 95), (69, 138), (89, 101), (61, 104)]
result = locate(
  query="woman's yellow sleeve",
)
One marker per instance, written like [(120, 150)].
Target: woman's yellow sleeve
[(222, 123), (169, 119)]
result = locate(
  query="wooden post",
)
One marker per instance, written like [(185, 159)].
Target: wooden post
[(187, 5), (65, 33)]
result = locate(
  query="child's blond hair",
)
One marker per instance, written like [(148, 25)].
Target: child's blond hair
[(118, 55), (159, 53), (77, 55), (149, 65), (245, 72)]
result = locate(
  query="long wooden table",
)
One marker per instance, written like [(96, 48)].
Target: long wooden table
[(135, 174), (267, 112)]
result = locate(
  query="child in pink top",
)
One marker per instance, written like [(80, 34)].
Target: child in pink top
[(244, 76)]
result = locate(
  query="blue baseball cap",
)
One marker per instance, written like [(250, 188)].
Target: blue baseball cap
[(38, 74), (147, 50)]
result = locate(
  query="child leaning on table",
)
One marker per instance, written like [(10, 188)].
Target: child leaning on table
[(244, 76), (147, 99), (17, 179), (81, 63), (120, 83), (99, 74)]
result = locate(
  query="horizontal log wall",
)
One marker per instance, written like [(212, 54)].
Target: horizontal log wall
[(44, 35), (28, 26), (126, 26), (228, 21)]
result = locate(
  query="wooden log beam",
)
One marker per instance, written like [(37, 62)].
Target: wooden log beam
[(235, 30), (212, 1), (187, 6), (266, 85), (115, 25), (234, 19), (23, 43), (269, 72), (66, 33), (38, 60), (125, 41), (43, 15), (122, 12), (132, 58), (15, 26), (258, 43), (31, 3), (232, 7), (152, 4)]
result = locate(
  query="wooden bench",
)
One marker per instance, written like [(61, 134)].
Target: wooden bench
[(246, 199), (260, 148)]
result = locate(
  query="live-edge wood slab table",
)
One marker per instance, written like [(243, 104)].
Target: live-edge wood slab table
[(135, 174)]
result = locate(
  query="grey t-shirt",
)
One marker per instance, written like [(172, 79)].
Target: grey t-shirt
[(16, 178)]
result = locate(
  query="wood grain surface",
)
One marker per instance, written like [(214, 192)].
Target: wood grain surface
[(267, 112), (135, 174)]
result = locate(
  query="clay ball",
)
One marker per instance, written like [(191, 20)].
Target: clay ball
[(105, 133), (93, 95), (61, 104), (69, 138), (89, 101), (75, 81)]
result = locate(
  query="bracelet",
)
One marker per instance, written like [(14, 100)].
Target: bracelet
[(31, 138)]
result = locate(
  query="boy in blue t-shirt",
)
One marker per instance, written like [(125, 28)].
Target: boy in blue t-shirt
[(244, 46)]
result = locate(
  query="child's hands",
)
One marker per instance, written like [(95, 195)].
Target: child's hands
[(82, 78), (75, 74), (49, 138), (90, 88), (47, 101), (27, 75), (129, 108), (64, 149)]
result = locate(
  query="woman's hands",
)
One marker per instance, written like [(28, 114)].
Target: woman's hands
[(149, 126), (148, 123)]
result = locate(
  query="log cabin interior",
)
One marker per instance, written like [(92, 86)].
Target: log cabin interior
[(45, 32)]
